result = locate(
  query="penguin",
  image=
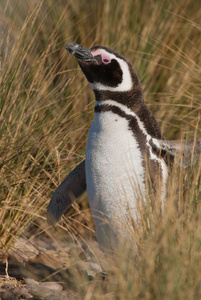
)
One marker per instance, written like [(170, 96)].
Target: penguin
[(127, 157)]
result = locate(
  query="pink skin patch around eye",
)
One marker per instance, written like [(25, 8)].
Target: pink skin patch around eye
[(105, 58)]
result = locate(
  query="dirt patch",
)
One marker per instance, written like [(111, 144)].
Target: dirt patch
[(43, 269)]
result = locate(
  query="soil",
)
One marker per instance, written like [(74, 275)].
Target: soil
[(41, 268)]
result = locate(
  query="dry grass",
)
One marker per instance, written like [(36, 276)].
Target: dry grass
[(46, 109)]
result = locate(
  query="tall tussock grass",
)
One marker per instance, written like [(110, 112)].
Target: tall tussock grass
[(46, 107)]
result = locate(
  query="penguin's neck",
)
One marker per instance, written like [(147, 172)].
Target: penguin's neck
[(133, 99), (126, 104)]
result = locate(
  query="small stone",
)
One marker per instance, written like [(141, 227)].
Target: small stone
[(14, 293), (27, 296), (7, 295), (57, 297), (35, 298), (30, 281), (38, 290), (8, 286), (18, 291), (52, 286)]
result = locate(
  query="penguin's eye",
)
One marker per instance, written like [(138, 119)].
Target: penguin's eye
[(101, 57), (106, 61)]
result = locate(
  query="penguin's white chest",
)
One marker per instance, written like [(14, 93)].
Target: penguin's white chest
[(114, 173)]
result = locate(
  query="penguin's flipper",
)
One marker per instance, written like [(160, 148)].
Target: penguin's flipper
[(183, 153), (67, 192)]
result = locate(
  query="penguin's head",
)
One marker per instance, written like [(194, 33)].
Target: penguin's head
[(105, 69)]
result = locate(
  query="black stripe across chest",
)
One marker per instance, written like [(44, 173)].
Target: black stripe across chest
[(133, 124)]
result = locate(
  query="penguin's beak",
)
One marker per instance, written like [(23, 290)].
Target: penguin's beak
[(80, 52)]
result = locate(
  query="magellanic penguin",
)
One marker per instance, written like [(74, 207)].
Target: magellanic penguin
[(124, 148)]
